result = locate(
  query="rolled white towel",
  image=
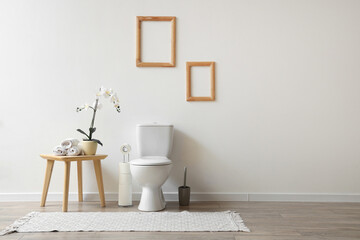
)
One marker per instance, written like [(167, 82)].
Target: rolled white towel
[(59, 151), (69, 142), (74, 151)]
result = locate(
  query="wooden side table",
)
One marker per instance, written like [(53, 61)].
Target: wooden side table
[(67, 160)]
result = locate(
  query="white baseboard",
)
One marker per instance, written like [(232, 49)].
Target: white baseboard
[(196, 196)]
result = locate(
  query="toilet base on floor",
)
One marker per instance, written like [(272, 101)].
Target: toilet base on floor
[(151, 178), (152, 199)]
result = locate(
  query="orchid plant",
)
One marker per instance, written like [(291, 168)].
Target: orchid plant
[(103, 92)]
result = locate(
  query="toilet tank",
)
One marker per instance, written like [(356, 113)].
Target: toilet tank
[(154, 139)]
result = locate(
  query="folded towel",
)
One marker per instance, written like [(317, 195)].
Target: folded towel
[(74, 151), (69, 142), (59, 151)]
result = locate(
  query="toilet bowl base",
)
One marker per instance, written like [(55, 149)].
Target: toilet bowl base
[(152, 199)]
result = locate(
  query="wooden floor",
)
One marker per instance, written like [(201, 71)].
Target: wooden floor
[(266, 220)]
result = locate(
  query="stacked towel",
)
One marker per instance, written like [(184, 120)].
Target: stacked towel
[(74, 151), (69, 142), (59, 151), (68, 147)]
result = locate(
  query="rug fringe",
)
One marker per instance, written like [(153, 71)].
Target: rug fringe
[(18, 223), (238, 221)]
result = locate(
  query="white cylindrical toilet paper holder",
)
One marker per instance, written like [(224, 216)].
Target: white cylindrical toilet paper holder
[(125, 185)]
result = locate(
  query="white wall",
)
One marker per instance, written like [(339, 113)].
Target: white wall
[(286, 118)]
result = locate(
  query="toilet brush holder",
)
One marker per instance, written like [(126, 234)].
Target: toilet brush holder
[(184, 192), (184, 195)]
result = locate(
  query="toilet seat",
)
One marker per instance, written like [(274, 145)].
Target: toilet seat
[(151, 161)]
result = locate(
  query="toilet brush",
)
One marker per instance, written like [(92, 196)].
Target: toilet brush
[(184, 192), (185, 170)]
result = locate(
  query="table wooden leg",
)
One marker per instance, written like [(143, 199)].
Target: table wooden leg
[(66, 186), (99, 179), (80, 187), (48, 172)]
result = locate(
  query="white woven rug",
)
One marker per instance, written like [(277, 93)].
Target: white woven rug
[(185, 221)]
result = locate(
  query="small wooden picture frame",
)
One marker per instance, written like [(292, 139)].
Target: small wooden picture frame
[(139, 63), (188, 81)]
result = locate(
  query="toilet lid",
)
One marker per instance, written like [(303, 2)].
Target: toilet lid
[(151, 161)]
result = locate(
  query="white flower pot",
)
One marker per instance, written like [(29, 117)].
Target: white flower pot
[(89, 147)]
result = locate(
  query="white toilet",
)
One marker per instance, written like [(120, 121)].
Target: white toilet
[(151, 170)]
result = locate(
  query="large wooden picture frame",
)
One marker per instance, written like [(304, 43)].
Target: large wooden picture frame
[(139, 63), (189, 65)]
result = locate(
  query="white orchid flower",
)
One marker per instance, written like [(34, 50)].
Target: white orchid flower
[(83, 107), (99, 106), (105, 92), (101, 91), (108, 93), (86, 106), (117, 106), (114, 99)]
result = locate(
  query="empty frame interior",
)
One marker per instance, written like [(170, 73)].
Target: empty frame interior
[(139, 62), (189, 96)]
